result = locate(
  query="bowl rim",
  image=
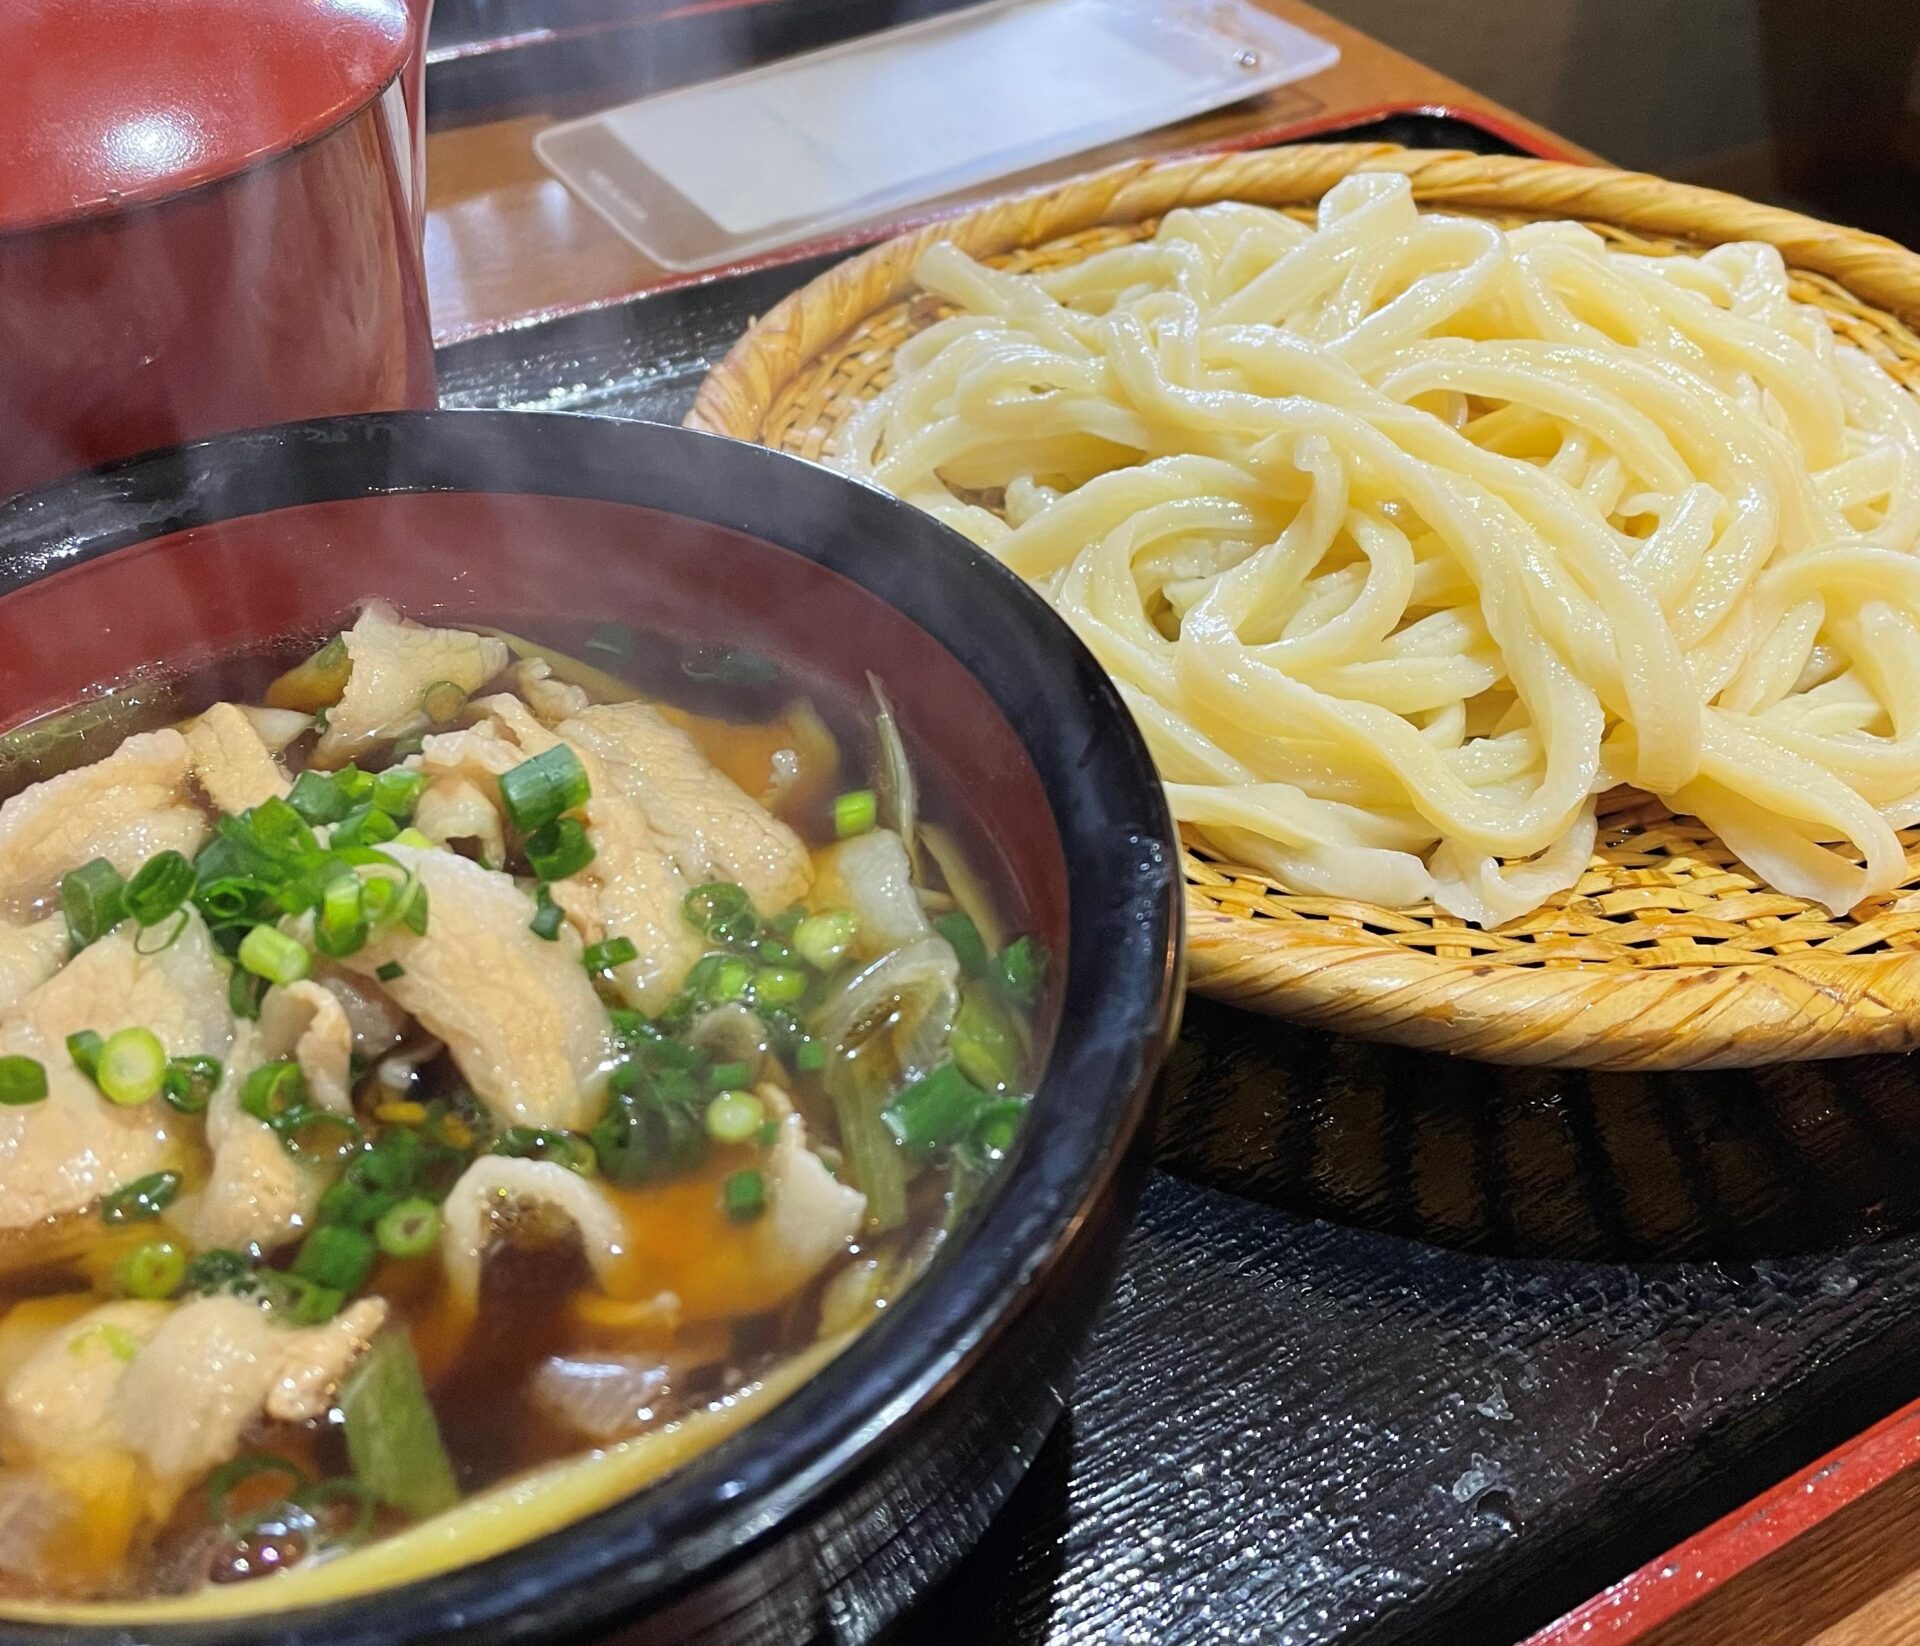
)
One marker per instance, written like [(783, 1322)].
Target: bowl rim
[(1120, 994)]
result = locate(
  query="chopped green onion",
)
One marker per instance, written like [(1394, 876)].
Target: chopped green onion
[(1021, 970), (855, 812), (219, 1270), (985, 1043), (340, 928), (396, 791), (559, 849), (411, 836), (393, 1441), (542, 1143), (268, 952), (744, 1196), (132, 1067), (250, 1466), (365, 825), (729, 980), (93, 899), (243, 993), (154, 1271), (273, 1089), (996, 1127), (169, 934), (969, 947), (769, 1134), (355, 784), (308, 1129), (824, 939), (23, 1080), (547, 915), (335, 1256), (83, 1046), (778, 986), (936, 1111), (603, 957), (413, 907), (307, 1302), (721, 910), (159, 888), (724, 1075), (190, 1083), (441, 701), (141, 1200), (409, 1229), (735, 1116), (810, 1056), (537, 791), (319, 798), (388, 972)]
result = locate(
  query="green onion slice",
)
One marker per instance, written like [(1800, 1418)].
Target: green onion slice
[(603, 957), (396, 791), (560, 849), (308, 1129), (335, 1256), (319, 798), (1021, 970), (23, 1080), (537, 791), (547, 915), (159, 888), (409, 1229), (268, 952), (744, 1196), (142, 1200), (132, 1067), (273, 1089), (154, 1271), (93, 899), (936, 1111), (735, 1117), (441, 701), (190, 1083), (855, 812), (823, 940)]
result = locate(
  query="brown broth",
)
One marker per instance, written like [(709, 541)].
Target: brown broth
[(538, 1297)]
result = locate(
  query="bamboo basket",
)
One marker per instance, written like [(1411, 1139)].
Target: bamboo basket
[(1668, 954)]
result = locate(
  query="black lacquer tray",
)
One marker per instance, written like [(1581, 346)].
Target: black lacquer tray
[(1404, 1349)]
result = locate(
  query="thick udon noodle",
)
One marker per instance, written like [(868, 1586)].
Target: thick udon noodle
[(1407, 536)]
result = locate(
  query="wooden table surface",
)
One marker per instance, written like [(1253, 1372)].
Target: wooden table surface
[(1831, 1557)]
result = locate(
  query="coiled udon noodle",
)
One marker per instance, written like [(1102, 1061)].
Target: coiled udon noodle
[(1406, 537)]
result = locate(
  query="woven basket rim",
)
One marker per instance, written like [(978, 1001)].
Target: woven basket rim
[(1595, 1013)]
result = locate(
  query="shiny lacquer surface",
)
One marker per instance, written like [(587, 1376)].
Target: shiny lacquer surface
[(209, 218)]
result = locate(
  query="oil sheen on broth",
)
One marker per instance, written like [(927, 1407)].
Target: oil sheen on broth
[(444, 1056)]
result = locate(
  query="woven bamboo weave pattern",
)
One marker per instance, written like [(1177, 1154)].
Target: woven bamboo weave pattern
[(1668, 953)]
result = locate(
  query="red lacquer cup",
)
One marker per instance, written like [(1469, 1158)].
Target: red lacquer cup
[(210, 216)]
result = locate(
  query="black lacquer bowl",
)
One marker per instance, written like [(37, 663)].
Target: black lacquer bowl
[(834, 1508)]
